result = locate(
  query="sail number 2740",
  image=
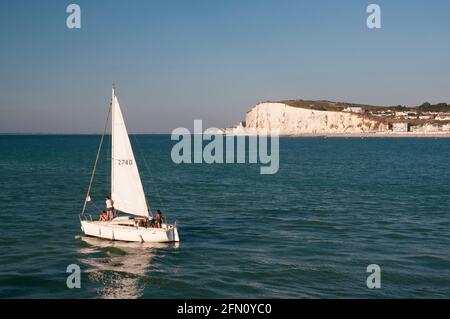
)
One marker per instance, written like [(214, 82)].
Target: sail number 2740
[(124, 162)]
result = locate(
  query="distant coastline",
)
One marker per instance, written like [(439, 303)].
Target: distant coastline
[(371, 135), (317, 118)]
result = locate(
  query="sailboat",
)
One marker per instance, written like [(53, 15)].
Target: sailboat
[(127, 193)]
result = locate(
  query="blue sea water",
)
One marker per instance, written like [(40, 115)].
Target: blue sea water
[(310, 231)]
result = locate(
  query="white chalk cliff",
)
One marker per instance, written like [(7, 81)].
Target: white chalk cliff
[(265, 118)]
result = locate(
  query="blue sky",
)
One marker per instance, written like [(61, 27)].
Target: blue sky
[(179, 60)]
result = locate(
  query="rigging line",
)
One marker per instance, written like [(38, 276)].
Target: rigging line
[(158, 195), (96, 207), (95, 164)]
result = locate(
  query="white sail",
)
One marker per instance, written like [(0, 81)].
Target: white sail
[(127, 192)]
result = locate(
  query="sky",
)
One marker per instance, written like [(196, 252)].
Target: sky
[(174, 61)]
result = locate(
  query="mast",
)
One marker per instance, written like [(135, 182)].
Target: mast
[(113, 96)]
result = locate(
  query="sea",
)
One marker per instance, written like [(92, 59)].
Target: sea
[(335, 207)]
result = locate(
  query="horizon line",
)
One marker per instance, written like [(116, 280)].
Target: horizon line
[(61, 133)]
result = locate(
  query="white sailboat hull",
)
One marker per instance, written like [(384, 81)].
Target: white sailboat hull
[(114, 231)]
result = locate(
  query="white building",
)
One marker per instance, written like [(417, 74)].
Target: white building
[(401, 114), (354, 109), (442, 117), (427, 128), (400, 127)]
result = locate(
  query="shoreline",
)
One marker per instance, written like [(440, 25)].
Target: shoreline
[(357, 135), (376, 135)]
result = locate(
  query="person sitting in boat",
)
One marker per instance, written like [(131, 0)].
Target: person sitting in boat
[(157, 220), (103, 216), (110, 207), (141, 221), (144, 222)]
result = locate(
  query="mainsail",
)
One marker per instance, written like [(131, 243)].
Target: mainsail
[(127, 192)]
